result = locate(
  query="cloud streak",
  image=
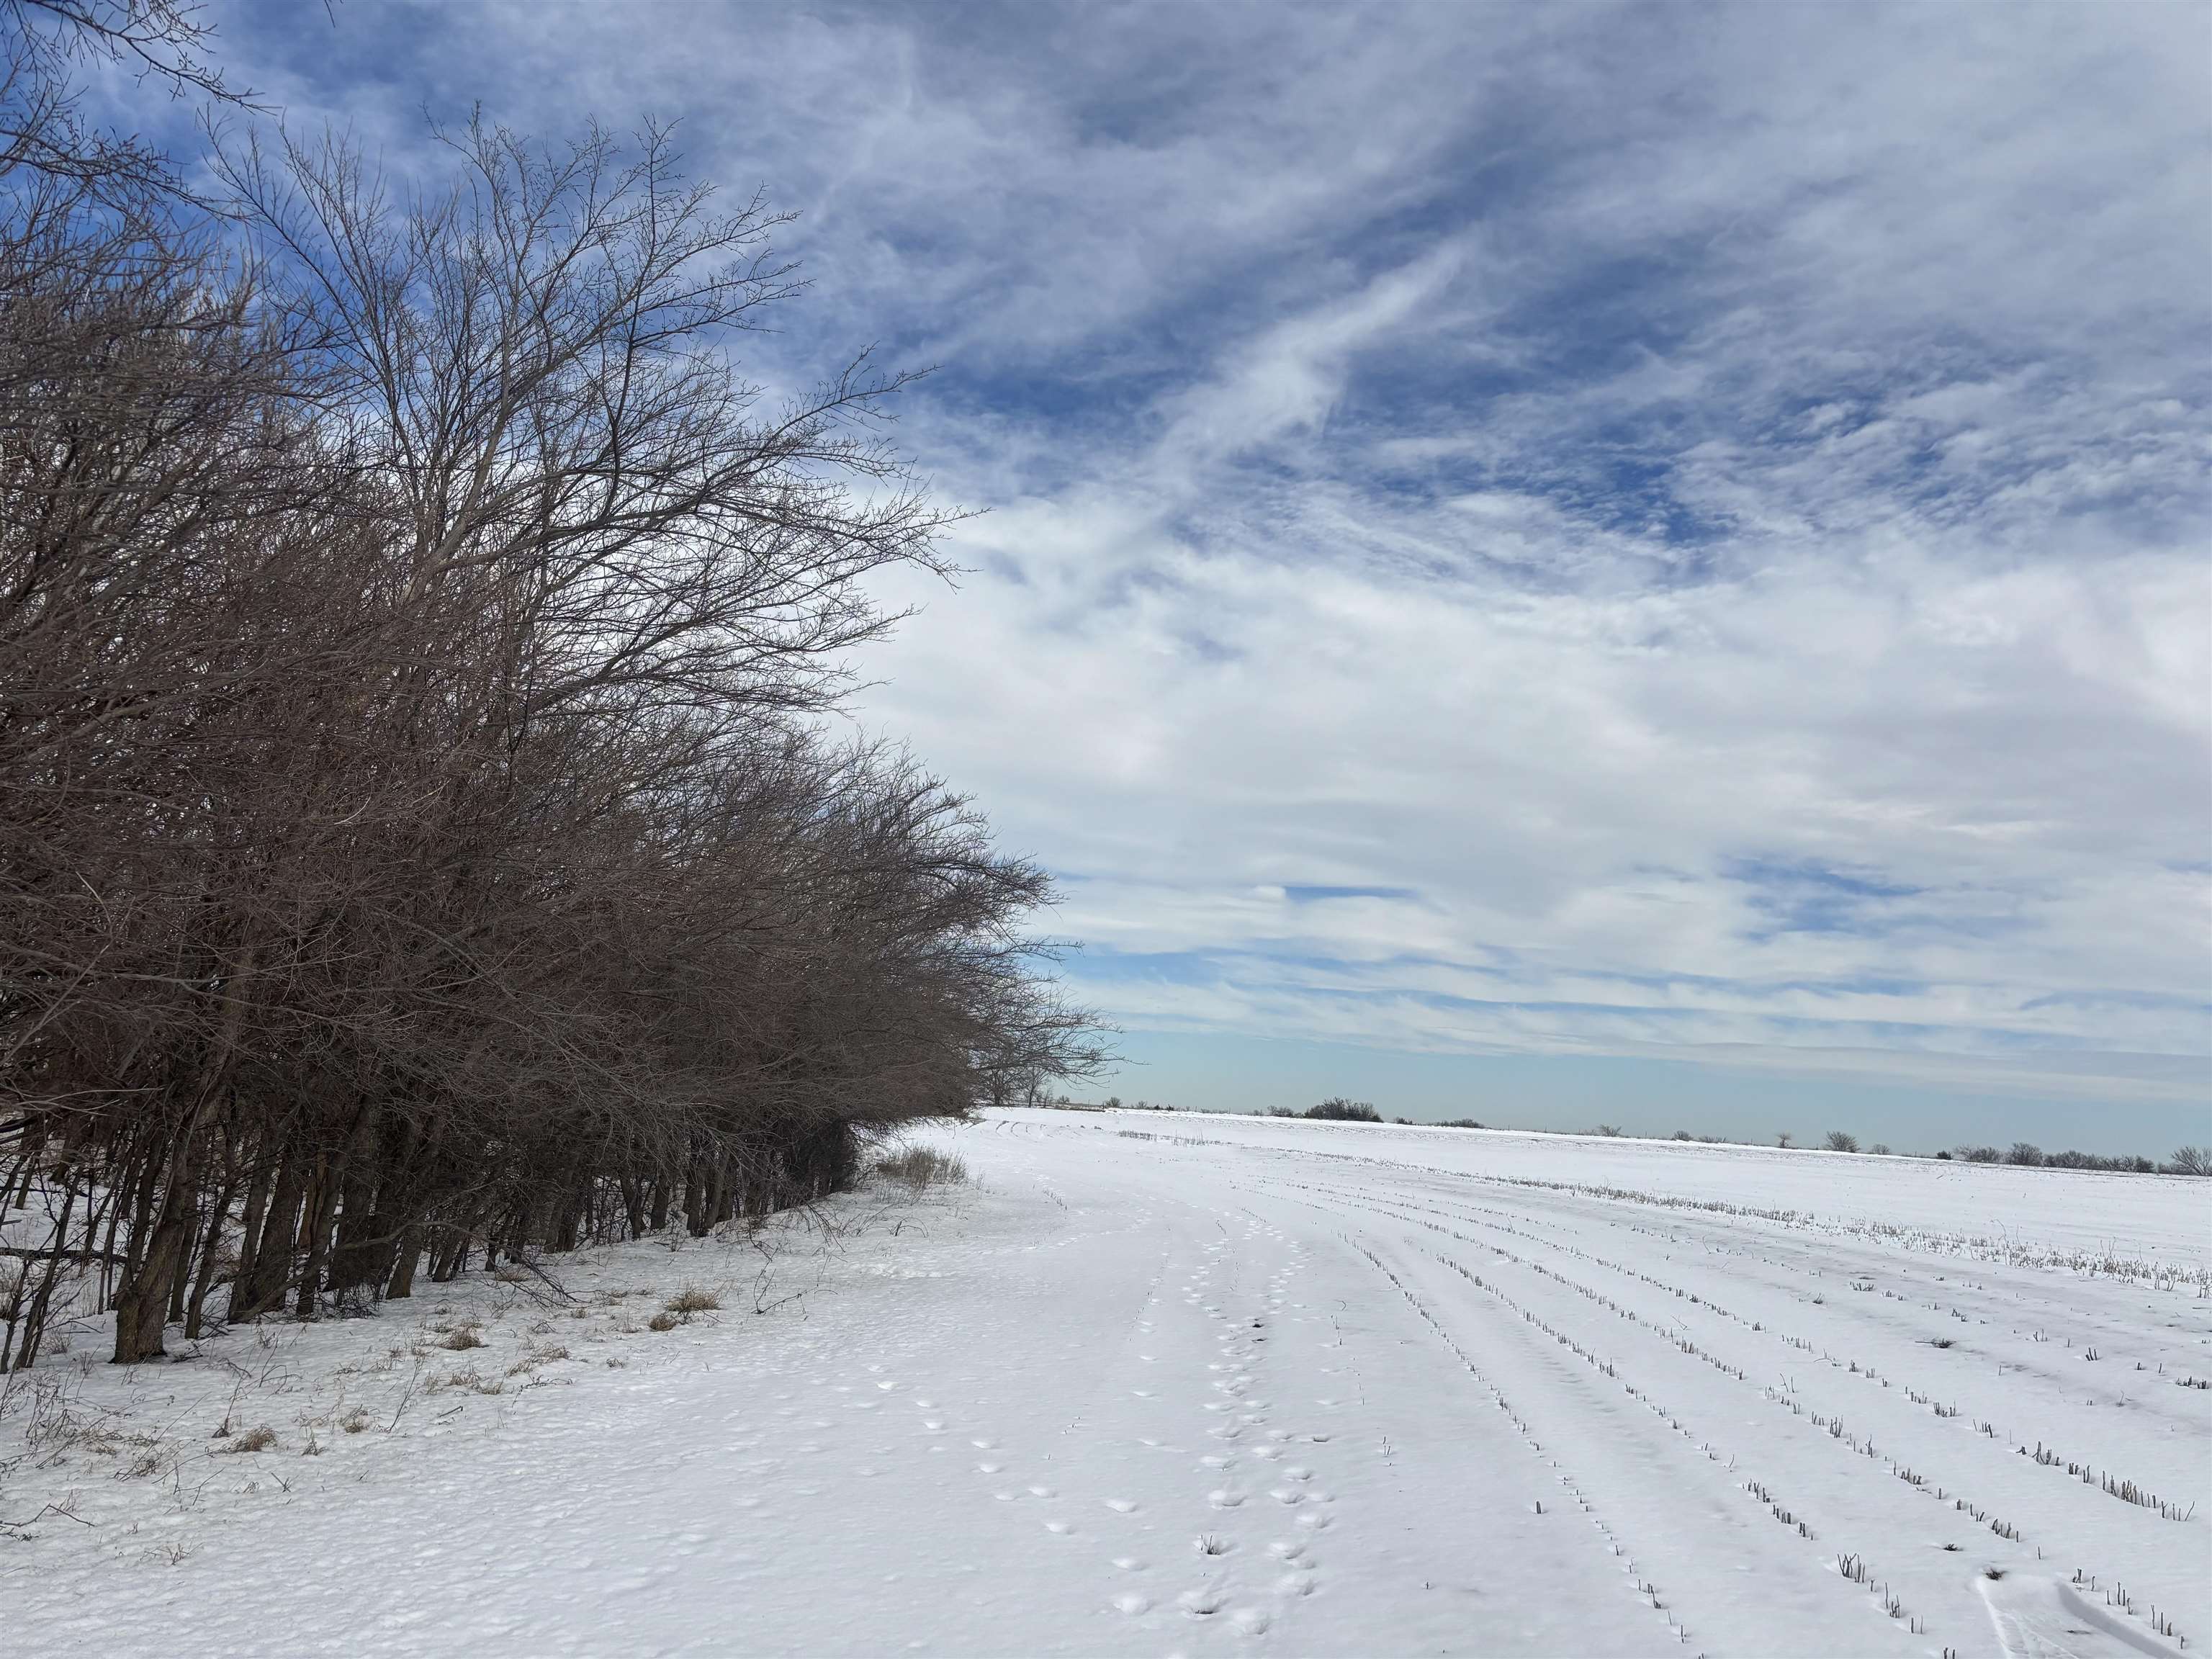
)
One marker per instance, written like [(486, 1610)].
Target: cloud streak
[(1642, 531)]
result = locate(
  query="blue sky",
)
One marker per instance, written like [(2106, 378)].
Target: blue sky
[(1587, 559)]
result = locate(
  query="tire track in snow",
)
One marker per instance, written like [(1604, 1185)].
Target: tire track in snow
[(1983, 1512), (1706, 1449)]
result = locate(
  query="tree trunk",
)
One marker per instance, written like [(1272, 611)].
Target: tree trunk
[(181, 1280), (249, 1297), (143, 1298), (211, 1251), (249, 1231), (409, 1254), (358, 1257), (320, 1207)]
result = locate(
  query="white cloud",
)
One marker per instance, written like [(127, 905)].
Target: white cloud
[(1713, 504)]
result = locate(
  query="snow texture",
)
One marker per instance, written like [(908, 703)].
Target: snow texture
[(1174, 1384)]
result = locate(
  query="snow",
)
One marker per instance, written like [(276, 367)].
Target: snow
[(1162, 1383)]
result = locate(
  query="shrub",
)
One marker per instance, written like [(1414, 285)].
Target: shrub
[(1337, 1109), (2025, 1154), (1838, 1141), (923, 1166), (2191, 1161)]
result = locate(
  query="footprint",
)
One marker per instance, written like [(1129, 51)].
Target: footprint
[(1061, 1526), (1122, 1505), (1130, 1562), (1221, 1498), (1287, 1495), (988, 1469), (1251, 1620), (982, 1445), (1042, 1491), (1132, 1604), (932, 1423)]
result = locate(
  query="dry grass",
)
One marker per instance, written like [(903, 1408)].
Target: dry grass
[(462, 1337), (664, 1322), (693, 1299), (533, 1357), (253, 1440), (923, 1167)]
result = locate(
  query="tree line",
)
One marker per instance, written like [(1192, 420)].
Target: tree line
[(422, 835)]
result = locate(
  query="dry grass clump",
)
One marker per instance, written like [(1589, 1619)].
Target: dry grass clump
[(664, 1322), (253, 1440), (534, 1356), (693, 1299), (472, 1380), (464, 1336), (922, 1167)]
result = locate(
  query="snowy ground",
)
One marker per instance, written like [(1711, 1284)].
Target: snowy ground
[(1162, 1384)]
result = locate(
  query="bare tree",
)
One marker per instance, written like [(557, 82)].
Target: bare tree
[(415, 846)]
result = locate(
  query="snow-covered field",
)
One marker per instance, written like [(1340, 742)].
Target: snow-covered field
[(1166, 1383)]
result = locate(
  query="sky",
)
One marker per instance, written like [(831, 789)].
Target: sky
[(1554, 563)]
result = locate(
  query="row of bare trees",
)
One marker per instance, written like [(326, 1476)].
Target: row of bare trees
[(420, 840)]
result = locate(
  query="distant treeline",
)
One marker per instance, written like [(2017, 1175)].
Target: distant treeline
[(419, 840), (2185, 1161)]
